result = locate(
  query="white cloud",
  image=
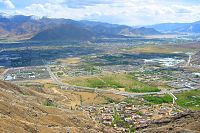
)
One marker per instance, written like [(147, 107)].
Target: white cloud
[(8, 4), (132, 12)]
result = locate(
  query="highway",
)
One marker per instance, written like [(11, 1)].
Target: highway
[(173, 96), (80, 88), (189, 60), (66, 86), (127, 94)]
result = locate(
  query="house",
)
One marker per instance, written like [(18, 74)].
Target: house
[(128, 120), (108, 123)]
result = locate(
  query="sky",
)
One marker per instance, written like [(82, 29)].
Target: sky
[(129, 12)]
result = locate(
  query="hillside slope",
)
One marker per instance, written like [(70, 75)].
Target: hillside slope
[(187, 122), (196, 58), (31, 110), (65, 32), (178, 27)]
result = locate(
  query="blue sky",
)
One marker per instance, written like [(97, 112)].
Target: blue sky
[(130, 12)]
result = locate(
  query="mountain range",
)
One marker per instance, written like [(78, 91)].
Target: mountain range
[(48, 29), (65, 29), (177, 27)]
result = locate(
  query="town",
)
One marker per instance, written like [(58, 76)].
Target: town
[(122, 116), (152, 86)]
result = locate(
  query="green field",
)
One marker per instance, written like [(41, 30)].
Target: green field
[(158, 99), (120, 81), (189, 99)]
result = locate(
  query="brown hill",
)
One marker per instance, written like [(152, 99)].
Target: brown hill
[(25, 27), (65, 32), (196, 58), (187, 122), (44, 110), (32, 110)]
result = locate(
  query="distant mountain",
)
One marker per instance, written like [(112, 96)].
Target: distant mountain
[(65, 32), (86, 33), (23, 25), (115, 29), (146, 31), (37, 28), (177, 27)]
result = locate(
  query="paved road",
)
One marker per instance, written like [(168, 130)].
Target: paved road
[(189, 60), (80, 88), (127, 94)]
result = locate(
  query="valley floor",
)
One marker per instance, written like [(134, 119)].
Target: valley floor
[(133, 86)]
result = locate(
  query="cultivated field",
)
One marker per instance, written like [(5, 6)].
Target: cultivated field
[(75, 60), (166, 49)]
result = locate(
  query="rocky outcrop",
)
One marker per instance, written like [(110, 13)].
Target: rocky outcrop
[(196, 59), (187, 122)]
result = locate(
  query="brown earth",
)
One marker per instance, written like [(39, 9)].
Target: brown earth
[(188, 122), (25, 110), (2, 70), (196, 58)]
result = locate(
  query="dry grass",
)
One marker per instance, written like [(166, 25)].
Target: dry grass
[(73, 99), (22, 110), (43, 81), (2, 70), (70, 60), (192, 69), (90, 98), (159, 49)]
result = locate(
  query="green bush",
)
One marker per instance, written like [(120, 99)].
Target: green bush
[(49, 102)]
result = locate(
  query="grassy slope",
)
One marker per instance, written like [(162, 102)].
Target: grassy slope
[(25, 110)]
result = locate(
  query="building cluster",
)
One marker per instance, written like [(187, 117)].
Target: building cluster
[(137, 115), (76, 71), (178, 79), (185, 80), (26, 73)]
